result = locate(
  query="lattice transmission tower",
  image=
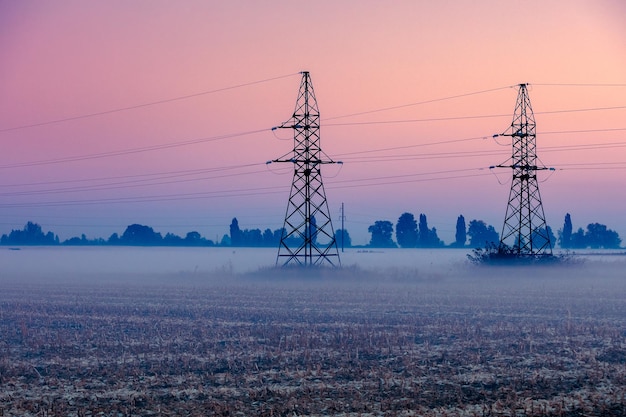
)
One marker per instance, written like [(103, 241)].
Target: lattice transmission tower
[(525, 229), (308, 238)]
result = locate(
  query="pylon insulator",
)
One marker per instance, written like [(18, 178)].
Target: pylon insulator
[(308, 238)]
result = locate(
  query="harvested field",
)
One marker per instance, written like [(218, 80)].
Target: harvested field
[(462, 342)]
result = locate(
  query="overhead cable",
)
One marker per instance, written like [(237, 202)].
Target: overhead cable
[(416, 103), (129, 151), (137, 106)]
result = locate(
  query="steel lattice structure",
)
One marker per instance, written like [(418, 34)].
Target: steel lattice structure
[(525, 227), (308, 238)]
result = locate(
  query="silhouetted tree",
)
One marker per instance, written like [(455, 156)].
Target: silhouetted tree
[(137, 234), (460, 237), (225, 241), (565, 236), (342, 235), (382, 232), (253, 237), (114, 239), (427, 238), (76, 241), (578, 239), (278, 234), (236, 236), (433, 239), (406, 231), (31, 234), (599, 236), (170, 239), (424, 232), (268, 238), (541, 235), (596, 236), (83, 241), (194, 238), (481, 235)]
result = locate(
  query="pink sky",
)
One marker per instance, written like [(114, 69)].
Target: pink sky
[(71, 58)]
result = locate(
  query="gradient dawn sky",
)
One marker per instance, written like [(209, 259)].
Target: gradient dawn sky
[(92, 140)]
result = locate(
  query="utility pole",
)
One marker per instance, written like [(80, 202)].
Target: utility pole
[(525, 227), (343, 228), (307, 237)]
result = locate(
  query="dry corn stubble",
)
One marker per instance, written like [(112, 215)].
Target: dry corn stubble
[(463, 343)]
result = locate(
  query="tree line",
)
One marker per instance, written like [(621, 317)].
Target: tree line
[(134, 235), (595, 236), (409, 232), (271, 238)]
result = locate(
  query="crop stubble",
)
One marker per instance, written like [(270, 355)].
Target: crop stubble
[(402, 343)]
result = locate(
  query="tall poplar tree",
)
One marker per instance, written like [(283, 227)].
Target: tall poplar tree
[(565, 238), (424, 232), (236, 235), (461, 232)]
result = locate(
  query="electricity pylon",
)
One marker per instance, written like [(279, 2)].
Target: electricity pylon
[(524, 223), (308, 238)]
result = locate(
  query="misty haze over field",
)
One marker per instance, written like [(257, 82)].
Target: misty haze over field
[(197, 331)]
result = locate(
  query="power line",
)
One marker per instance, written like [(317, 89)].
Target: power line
[(415, 157), (118, 177), (126, 184), (129, 151), (416, 103), (473, 154), (587, 166), (584, 147), (205, 195), (582, 131), (228, 136), (442, 142), (581, 110), (598, 168), (470, 154), (450, 171), (217, 90), (432, 119), (484, 116), (408, 181), (137, 106), (577, 85), (343, 184), (153, 179), (216, 194), (233, 135), (158, 220), (394, 148), (594, 163), (154, 198)]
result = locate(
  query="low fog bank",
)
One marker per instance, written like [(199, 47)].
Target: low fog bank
[(142, 331), (247, 266), (166, 260)]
